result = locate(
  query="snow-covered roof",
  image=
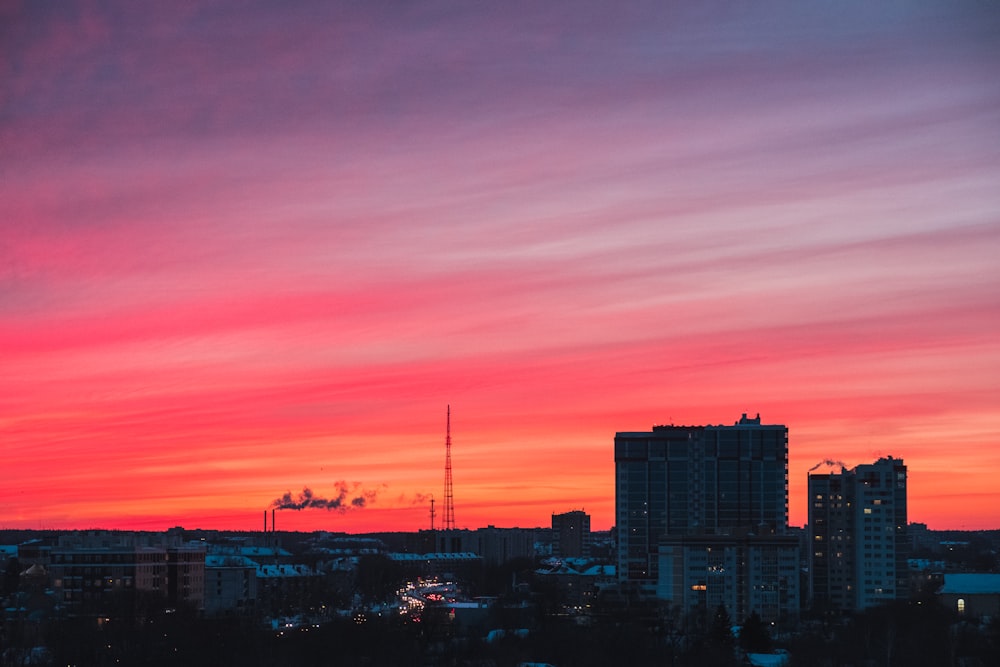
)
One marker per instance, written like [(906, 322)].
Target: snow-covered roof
[(462, 555), (250, 551), (281, 571), (778, 659), (592, 571), (36, 570), (561, 568), (228, 561), (971, 584)]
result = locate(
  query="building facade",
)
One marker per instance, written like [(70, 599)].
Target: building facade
[(830, 540), (971, 595), (571, 534), (744, 573), (858, 536), (691, 480), (186, 576), (494, 545), (230, 586), (88, 580)]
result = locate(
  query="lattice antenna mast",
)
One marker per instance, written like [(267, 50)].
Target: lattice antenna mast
[(449, 495)]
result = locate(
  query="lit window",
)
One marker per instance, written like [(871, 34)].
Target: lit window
[(961, 605), (868, 510)]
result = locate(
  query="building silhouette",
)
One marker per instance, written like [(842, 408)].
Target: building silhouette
[(571, 534), (695, 480), (745, 573), (858, 542), (494, 545)]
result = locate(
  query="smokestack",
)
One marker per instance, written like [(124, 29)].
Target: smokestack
[(265, 522), (272, 521)]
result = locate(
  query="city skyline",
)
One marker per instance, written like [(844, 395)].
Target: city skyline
[(247, 251)]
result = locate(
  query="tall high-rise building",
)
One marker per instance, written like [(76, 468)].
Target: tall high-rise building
[(858, 536), (696, 480)]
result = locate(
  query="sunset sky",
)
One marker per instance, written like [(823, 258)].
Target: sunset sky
[(249, 248)]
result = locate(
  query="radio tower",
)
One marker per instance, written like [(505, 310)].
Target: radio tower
[(449, 496)]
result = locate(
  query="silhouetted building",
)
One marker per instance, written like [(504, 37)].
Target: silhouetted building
[(462, 565), (34, 551), (577, 581), (858, 536), (745, 573), (571, 534), (8, 552), (186, 576), (831, 540), (230, 586), (87, 580), (691, 480), (494, 545), (94, 571), (282, 586)]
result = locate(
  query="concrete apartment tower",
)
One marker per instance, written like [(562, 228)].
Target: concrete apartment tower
[(571, 534), (858, 542), (686, 496)]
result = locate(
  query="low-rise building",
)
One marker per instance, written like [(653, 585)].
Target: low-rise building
[(93, 580), (975, 595), (230, 586), (283, 587)]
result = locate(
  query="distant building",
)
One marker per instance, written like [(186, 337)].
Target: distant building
[(87, 580), (494, 545), (745, 573), (452, 564), (858, 536), (100, 570), (34, 552), (8, 552), (500, 545), (571, 534), (281, 586), (695, 480), (920, 537), (230, 586), (972, 595), (186, 576), (577, 580)]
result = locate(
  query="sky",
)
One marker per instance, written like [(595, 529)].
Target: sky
[(252, 248)]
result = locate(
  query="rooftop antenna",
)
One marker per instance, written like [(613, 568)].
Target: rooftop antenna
[(449, 495), (433, 513)]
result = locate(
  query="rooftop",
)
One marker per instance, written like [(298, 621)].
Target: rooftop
[(970, 584)]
